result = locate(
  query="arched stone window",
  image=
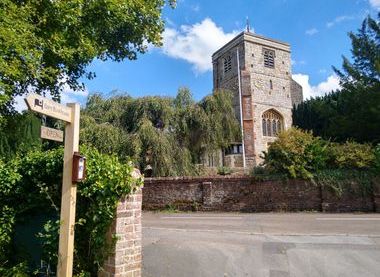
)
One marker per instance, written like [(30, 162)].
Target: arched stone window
[(272, 122), (269, 56)]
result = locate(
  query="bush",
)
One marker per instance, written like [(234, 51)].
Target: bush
[(258, 170), (296, 153), (9, 177), (261, 173), (31, 185), (352, 155), (340, 180), (224, 170), (377, 159)]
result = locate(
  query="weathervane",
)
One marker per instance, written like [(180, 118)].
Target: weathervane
[(248, 27)]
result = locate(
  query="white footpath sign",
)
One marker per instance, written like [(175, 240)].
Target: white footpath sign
[(48, 107)]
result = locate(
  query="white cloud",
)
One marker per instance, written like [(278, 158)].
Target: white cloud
[(68, 95), (375, 4), (195, 43), (311, 32), (309, 91), (339, 19)]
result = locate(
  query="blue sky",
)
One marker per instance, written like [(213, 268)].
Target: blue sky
[(316, 29)]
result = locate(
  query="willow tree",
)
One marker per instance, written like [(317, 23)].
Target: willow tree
[(167, 134)]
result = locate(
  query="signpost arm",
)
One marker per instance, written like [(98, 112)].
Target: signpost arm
[(69, 192)]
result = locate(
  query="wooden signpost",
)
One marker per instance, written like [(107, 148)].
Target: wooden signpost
[(69, 114), (48, 107)]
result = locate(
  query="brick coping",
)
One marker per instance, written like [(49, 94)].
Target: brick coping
[(197, 178)]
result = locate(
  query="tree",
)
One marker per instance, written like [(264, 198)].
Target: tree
[(21, 133), (365, 68), (45, 44), (353, 112), (167, 134)]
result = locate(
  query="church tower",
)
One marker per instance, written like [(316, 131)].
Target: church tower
[(257, 70)]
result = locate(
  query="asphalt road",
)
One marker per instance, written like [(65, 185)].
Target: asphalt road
[(269, 245)]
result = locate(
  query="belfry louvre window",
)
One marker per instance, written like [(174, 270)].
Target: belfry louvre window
[(272, 123), (227, 64), (268, 58)]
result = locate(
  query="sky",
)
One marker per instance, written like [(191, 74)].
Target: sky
[(316, 30)]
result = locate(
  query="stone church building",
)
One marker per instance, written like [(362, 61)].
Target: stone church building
[(264, 94)]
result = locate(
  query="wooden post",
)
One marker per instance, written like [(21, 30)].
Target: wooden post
[(69, 193)]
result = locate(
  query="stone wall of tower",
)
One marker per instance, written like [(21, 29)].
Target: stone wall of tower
[(266, 96), (297, 93), (263, 88), (229, 80)]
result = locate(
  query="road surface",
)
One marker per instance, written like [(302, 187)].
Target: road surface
[(268, 245)]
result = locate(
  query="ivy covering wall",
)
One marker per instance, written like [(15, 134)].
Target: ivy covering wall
[(30, 188)]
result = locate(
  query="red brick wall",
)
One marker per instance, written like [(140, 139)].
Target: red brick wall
[(126, 260), (246, 195), (351, 200)]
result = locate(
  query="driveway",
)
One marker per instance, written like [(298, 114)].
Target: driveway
[(270, 245)]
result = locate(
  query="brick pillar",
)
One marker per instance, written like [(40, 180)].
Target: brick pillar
[(207, 193), (126, 261)]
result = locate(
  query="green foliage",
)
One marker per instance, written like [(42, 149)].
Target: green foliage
[(354, 111), (261, 173), (221, 127), (365, 69), (31, 184), (19, 270), (20, 133), (6, 228), (50, 241), (170, 208), (347, 114), (296, 153), (9, 177), (167, 134), (224, 170), (299, 154), (352, 155), (377, 158), (258, 170), (107, 138), (47, 44), (108, 180), (356, 181)]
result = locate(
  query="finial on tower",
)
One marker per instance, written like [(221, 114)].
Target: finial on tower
[(248, 27)]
